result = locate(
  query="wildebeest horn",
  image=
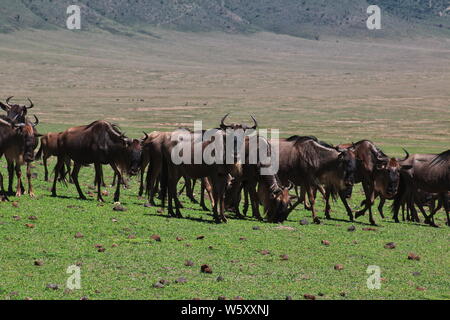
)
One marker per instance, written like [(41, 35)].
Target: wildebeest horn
[(222, 122), (146, 136), (7, 100), (407, 155), (31, 104), (36, 122), (255, 123), (5, 122)]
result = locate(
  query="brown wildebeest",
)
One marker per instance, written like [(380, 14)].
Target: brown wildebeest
[(378, 174), (17, 142), (48, 148), (99, 143), (217, 172), (427, 172), (310, 163), (16, 112)]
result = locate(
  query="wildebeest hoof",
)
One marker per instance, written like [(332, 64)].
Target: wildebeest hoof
[(316, 220)]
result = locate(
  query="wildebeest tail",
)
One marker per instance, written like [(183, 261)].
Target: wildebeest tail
[(39, 153), (62, 172)]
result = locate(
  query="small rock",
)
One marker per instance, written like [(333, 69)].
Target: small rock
[(32, 218), (84, 298), (413, 256), (131, 236), (205, 269), (53, 286), (114, 245), (158, 285), (181, 280), (210, 247), (98, 246), (147, 205), (265, 252), (421, 288), (351, 228), (238, 298), (416, 273), (288, 298), (242, 238), (39, 263), (17, 218), (188, 245), (188, 263), (200, 237), (284, 257), (164, 282), (338, 267), (28, 298), (309, 296), (325, 242), (343, 294), (105, 193), (156, 237), (119, 208), (30, 225), (15, 204), (304, 222), (256, 228), (114, 220), (222, 298), (390, 245), (180, 239), (101, 250), (369, 229), (79, 235), (220, 278)]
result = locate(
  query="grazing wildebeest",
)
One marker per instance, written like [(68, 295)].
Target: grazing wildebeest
[(16, 112), (17, 143), (99, 143), (48, 148), (378, 174), (428, 173), (310, 163)]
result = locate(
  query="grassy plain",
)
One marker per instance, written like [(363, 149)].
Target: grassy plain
[(395, 93)]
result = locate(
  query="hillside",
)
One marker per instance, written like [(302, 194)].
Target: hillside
[(305, 18)]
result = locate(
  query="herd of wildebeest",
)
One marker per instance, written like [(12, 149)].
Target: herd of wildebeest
[(306, 165)]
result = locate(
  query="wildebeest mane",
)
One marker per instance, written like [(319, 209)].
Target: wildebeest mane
[(442, 158), (301, 139)]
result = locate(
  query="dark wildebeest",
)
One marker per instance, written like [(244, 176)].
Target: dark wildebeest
[(48, 148), (99, 143), (16, 112), (428, 173), (17, 142), (217, 172), (378, 174), (311, 164)]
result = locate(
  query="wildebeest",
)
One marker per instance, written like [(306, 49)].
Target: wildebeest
[(16, 112), (217, 172), (310, 163), (100, 142), (17, 143), (428, 173), (378, 174), (48, 148)]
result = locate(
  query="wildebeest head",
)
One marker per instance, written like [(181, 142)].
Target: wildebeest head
[(236, 126), (134, 152), (27, 132), (347, 169), (278, 204), (15, 111), (387, 177)]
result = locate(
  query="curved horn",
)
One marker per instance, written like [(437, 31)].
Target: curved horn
[(7, 100), (222, 122), (31, 104), (146, 136), (36, 122), (407, 155), (255, 123), (5, 122)]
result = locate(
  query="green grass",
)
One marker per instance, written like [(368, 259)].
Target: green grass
[(129, 270)]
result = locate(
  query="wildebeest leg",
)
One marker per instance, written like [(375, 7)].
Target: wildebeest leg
[(327, 203), (370, 197), (113, 184), (59, 169), (246, 203), (190, 185), (381, 205), (30, 186), (312, 200), (75, 172), (44, 160), (347, 207), (251, 186), (19, 180), (98, 180), (10, 177), (2, 190), (119, 181), (204, 187), (445, 202), (141, 183)]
